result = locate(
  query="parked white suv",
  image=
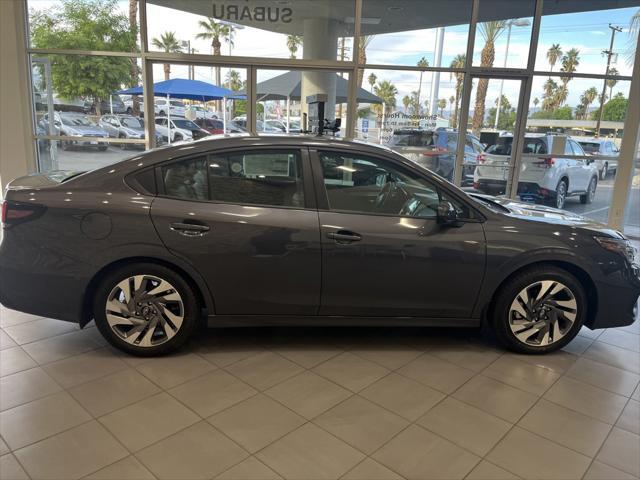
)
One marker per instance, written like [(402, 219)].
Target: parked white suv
[(162, 106), (543, 178), (179, 129)]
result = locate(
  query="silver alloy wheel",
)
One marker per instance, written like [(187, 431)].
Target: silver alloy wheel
[(561, 195), (144, 310), (542, 313), (592, 189)]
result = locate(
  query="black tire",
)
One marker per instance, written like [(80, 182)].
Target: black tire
[(499, 315), (103, 148), (177, 137), (605, 171), (560, 197), (129, 110), (191, 307), (591, 192), (123, 146)]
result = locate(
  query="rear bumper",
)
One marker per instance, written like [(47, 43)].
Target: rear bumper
[(498, 187)]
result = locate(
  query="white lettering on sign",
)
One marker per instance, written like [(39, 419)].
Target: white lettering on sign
[(235, 13)]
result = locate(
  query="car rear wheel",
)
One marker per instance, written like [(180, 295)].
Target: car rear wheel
[(145, 309), (561, 194), (540, 310), (591, 192), (604, 172)]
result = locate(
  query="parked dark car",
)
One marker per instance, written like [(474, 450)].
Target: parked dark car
[(112, 105), (249, 230), (216, 127), (76, 125), (436, 150)]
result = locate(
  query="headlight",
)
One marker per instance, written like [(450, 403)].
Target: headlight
[(621, 246)]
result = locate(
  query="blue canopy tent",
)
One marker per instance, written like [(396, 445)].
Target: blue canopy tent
[(184, 89)]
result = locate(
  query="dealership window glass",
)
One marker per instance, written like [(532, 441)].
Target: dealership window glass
[(503, 33), (415, 114), (632, 212), (372, 185), (567, 115), (186, 179), (318, 30), (107, 25), (270, 177), (279, 108), (574, 35), (415, 32)]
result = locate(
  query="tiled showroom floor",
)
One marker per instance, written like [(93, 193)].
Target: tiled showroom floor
[(315, 404)]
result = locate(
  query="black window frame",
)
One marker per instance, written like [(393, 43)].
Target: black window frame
[(322, 197), (307, 177)]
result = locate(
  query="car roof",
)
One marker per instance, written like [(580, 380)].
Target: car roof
[(591, 139)]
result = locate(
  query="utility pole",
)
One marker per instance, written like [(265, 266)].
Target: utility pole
[(609, 53)]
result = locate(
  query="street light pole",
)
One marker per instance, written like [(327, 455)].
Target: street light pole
[(517, 23), (609, 53)]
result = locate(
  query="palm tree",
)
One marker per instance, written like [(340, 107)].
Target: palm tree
[(458, 62), (406, 101), (570, 62), (452, 99), (234, 82), (365, 40), (560, 96), (415, 104), (293, 43), (387, 91), (422, 63), (442, 104), (611, 82), (372, 80), (549, 95), (589, 97), (213, 30), (167, 43), (554, 54), (490, 31)]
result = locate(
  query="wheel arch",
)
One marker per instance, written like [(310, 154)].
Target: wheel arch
[(200, 290), (581, 275)]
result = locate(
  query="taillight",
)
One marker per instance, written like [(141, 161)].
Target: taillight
[(14, 213), (435, 152), (545, 162)]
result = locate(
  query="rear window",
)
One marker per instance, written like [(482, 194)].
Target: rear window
[(590, 147), (503, 147)]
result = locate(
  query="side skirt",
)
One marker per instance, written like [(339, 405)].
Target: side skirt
[(221, 321)]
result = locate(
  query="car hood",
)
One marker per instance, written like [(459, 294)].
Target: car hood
[(87, 130), (550, 215)]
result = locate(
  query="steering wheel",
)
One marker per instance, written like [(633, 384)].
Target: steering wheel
[(384, 195)]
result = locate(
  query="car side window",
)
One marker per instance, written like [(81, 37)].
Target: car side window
[(356, 183), (577, 149), (187, 179)]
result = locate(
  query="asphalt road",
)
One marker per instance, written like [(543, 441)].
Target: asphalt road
[(83, 159)]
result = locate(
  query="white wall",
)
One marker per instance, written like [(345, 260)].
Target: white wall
[(17, 154)]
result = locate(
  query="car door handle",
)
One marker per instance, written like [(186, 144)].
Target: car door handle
[(190, 229), (344, 236)]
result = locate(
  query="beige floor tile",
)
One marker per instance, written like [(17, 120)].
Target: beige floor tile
[(307, 355), (249, 469), (622, 451), (361, 423), (578, 345), (531, 456), (6, 341), (522, 375), (84, 368), (61, 346), (149, 420), (636, 393), (25, 386), (604, 376), (633, 328), (488, 471), (419, 454), (351, 371), (128, 468), (310, 453), (308, 394), (588, 333), (389, 356), (471, 356), (566, 427), (10, 469), (4, 448), (616, 356), (630, 418), (587, 399), (369, 469), (264, 370), (223, 353), (72, 454), (465, 425), (559, 361), (619, 338), (601, 471), (436, 373), (402, 395), (38, 330), (198, 452), (496, 398), (256, 422), (173, 370), (13, 360), (10, 317), (212, 392), (114, 391), (31, 422)]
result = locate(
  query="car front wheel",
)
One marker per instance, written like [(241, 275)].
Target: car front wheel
[(145, 309), (540, 310), (591, 192)]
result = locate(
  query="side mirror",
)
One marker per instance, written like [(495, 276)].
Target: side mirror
[(447, 214)]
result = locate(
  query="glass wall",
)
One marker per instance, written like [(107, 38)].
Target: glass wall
[(409, 71)]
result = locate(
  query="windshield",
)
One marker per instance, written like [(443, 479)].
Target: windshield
[(76, 121), (187, 124), (131, 122), (590, 147), (176, 103)]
